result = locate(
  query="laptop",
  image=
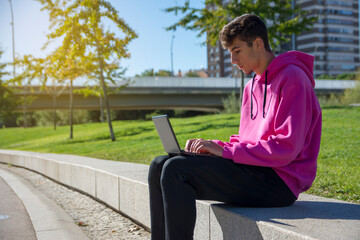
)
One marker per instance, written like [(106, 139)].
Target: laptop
[(167, 135)]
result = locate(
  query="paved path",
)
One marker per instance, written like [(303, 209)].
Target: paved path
[(15, 222), (66, 214)]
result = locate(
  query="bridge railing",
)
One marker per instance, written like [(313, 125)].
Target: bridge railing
[(184, 82), (209, 83)]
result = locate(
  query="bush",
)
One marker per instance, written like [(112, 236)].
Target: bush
[(352, 95), (231, 104)]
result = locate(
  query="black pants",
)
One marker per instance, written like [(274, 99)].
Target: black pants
[(176, 182)]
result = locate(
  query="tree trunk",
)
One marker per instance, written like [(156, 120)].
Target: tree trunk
[(71, 108), (54, 106), (106, 99), (101, 109), (25, 107)]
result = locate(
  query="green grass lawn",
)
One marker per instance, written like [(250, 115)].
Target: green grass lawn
[(137, 141)]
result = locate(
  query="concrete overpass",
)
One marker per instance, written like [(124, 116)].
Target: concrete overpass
[(204, 94)]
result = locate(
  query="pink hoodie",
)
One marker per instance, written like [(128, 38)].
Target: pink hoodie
[(287, 138)]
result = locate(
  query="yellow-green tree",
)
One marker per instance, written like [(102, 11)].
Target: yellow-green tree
[(49, 76), (113, 76), (8, 101), (86, 44), (29, 67)]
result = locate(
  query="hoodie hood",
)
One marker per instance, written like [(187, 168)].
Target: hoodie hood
[(302, 60)]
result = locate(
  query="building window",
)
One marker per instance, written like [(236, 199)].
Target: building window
[(336, 39), (335, 49), (338, 3), (348, 67), (336, 21), (336, 30)]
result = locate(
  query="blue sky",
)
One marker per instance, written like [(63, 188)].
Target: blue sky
[(150, 50)]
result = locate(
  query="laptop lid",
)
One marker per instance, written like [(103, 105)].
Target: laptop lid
[(166, 134)]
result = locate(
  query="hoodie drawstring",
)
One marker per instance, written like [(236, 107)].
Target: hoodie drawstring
[(264, 101)]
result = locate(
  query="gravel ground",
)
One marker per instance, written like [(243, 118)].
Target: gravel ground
[(95, 219)]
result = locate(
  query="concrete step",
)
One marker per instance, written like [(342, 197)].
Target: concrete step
[(32, 215), (123, 186)]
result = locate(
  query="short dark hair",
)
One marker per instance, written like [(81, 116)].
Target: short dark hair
[(247, 28)]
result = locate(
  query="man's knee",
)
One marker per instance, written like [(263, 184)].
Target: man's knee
[(156, 167), (172, 170)]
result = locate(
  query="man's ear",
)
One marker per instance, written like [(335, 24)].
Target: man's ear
[(258, 43)]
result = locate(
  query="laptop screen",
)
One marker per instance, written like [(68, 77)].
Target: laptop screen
[(166, 134)]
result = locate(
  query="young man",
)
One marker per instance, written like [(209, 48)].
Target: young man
[(268, 163)]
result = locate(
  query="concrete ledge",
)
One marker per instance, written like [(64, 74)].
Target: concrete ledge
[(49, 221), (123, 186)]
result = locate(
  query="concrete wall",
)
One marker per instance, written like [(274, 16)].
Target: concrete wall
[(311, 217)]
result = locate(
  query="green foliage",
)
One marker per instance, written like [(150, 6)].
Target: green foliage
[(278, 15), (343, 76), (325, 76), (146, 73), (163, 73), (30, 68), (8, 101), (2, 67), (330, 100), (352, 95), (87, 48), (150, 73), (231, 104), (192, 74), (346, 76)]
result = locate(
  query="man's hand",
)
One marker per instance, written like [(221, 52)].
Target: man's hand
[(203, 146)]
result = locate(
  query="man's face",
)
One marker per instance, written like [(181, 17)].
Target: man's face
[(245, 57)]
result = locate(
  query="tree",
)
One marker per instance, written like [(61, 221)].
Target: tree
[(29, 67), (325, 76), (352, 95), (69, 61), (8, 101), (281, 18), (191, 74), (150, 73), (49, 71), (80, 22), (346, 76), (113, 75), (147, 73), (163, 73)]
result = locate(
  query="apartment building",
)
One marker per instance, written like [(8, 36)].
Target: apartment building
[(333, 40)]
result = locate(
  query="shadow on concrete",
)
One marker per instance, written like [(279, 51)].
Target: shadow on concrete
[(246, 218)]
